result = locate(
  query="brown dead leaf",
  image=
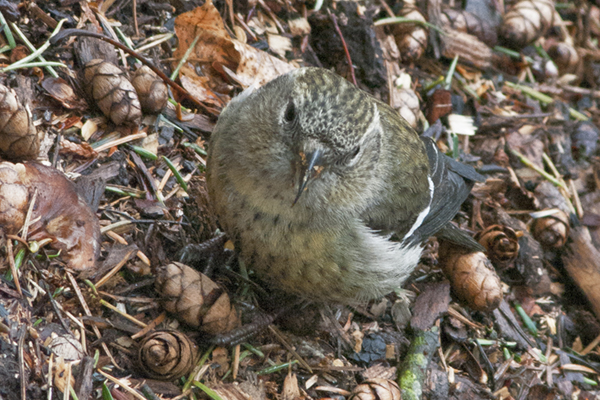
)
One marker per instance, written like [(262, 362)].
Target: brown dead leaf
[(18, 53), (290, 388), (60, 213), (221, 358), (62, 92), (198, 86), (257, 66), (218, 55)]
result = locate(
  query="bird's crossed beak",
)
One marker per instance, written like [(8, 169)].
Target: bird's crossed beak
[(310, 168)]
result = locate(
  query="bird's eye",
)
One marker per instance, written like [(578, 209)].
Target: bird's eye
[(290, 112), (350, 158)]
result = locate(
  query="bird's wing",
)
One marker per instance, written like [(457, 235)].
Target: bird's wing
[(452, 182)]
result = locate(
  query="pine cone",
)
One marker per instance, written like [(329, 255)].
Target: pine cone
[(151, 90), (110, 89), (19, 140)]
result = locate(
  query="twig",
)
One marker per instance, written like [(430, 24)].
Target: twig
[(87, 311), (339, 32), (576, 200), (245, 27), (236, 362), (583, 91), (68, 314), (55, 306), (135, 22), (27, 222), (121, 383), (591, 346), (121, 313), (50, 375), (151, 326), (39, 13), (156, 40), (289, 347), (13, 267), (272, 15), (120, 141), (108, 27), (116, 269), (387, 8), (22, 373)]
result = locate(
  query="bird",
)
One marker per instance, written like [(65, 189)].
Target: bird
[(327, 192)]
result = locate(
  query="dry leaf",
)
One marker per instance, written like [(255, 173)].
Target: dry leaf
[(216, 53)]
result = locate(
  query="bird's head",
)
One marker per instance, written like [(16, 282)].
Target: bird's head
[(331, 128)]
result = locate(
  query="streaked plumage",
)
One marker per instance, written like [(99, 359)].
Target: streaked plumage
[(374, 178)]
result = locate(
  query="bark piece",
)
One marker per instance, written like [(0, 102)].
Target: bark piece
[(582, 263)]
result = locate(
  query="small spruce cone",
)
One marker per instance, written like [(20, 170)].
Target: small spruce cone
[(472, 277), (195, 299), (410, 38), (551, 231), (406, 102), (464, 21), (565, 57), (151, 90), (376, 389), (526, 21), (19, 140), (167, 355), (501, 243), (110, 89)]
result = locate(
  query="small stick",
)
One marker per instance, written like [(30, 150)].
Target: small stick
[(387, 8), (116, 269), (27, 222), (13, 267), (289, 347), (121, 383), (152, 325), (272, 15), (576, 199), (155, 42), (123, 314), (245, 27), (591, 346), (339, 32), (87, 311), (135, 23), (236, 361), (24, 377), (120, 141)]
